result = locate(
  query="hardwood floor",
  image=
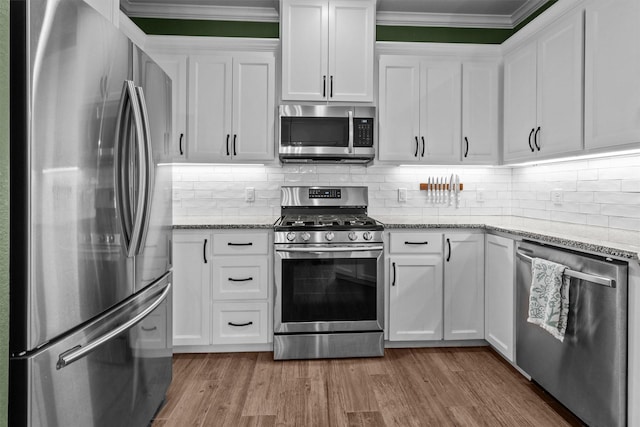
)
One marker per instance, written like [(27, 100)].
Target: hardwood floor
[(407, 387)]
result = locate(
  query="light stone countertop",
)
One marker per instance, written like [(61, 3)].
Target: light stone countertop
[(624, 244)]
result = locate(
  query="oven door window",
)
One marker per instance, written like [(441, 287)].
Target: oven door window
[(327, 290), (314, 131)]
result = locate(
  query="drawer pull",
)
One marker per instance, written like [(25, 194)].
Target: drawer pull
[(231, 279), (240, 324), (239, 244), (416, 243), (149, 329)]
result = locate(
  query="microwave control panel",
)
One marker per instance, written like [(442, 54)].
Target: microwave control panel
[(362, 132)]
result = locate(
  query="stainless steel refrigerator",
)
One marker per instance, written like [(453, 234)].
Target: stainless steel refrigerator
[(91, 313)]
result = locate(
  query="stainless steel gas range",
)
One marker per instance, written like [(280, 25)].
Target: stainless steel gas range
[(328, 275)]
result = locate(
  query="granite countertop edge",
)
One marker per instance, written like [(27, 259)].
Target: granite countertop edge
[(548, 238), (562, 241), (222, 226)]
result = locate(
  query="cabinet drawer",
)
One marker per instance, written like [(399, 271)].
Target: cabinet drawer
[(240, 277), (415, 243), (240, 323), (152, 331), (240, 243)]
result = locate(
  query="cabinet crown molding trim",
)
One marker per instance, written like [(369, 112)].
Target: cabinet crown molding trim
[(197, 44), (444, 20), (449, 50), (206, 12)]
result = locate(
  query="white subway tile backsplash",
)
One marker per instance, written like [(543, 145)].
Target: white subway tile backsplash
[(598, 192)]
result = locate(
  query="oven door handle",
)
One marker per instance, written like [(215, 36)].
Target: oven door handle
[(336, 249)]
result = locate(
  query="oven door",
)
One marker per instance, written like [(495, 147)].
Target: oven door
[(328, 288)]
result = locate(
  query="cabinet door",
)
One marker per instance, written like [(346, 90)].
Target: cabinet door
[(520, 102), (210, 86), (399, 115), (415, 298), (559, 114), (464, 286), (176, 68), (253, 107), (612, 70), (440, 110), (499, 295), (304, 32), (352, 26), (191, 289), (480, 110)]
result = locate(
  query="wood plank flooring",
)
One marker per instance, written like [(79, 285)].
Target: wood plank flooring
[(406, 387)]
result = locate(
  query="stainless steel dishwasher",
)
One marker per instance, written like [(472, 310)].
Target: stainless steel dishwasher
[(587, 372)]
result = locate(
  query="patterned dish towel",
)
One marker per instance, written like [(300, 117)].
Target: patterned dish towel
[(549, 297)]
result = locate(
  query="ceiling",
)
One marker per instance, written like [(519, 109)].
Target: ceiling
[(453, 13)]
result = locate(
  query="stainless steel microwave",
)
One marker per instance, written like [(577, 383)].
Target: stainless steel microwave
[(326, 134)]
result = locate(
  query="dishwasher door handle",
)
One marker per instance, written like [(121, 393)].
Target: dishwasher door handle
[(599, 280)]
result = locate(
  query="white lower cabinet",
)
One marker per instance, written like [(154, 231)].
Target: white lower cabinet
[(191, 288), (415, 298), (221, 288), (499, 295), (436, 286), (463, 286)]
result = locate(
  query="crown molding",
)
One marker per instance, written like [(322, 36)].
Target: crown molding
[(200, 12), (443, 20), (453, 50), (196, 44), (525, 11)]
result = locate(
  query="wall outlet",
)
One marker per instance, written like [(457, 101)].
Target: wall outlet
[(250, 194), (556, 196), (402, 194), (480, 195)]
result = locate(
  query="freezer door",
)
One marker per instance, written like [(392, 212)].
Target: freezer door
[(154, 94), (114, 372), (68, 262)]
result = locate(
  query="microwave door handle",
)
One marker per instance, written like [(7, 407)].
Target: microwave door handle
[(350, 131)]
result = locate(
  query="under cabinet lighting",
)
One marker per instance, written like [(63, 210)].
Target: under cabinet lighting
[(217, 164), (574, 158)]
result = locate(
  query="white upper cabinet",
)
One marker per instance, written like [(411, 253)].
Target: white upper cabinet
[(420, 110), (612, 73), (399, 108), (210, 106), (543, 93), (253, 107), (231, 107), (480, 112), (440, 111), (327, 50), (175, 65)]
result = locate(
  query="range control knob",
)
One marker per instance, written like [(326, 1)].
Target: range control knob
[(329, 236), (306, 236), (353, 236), (367, 235), (291, 236)]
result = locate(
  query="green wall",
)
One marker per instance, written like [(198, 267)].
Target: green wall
[(4, 208), (392, 33)]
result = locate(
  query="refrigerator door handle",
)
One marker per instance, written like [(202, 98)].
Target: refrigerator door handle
[(149, 171), (130, 217), (78, 352)]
